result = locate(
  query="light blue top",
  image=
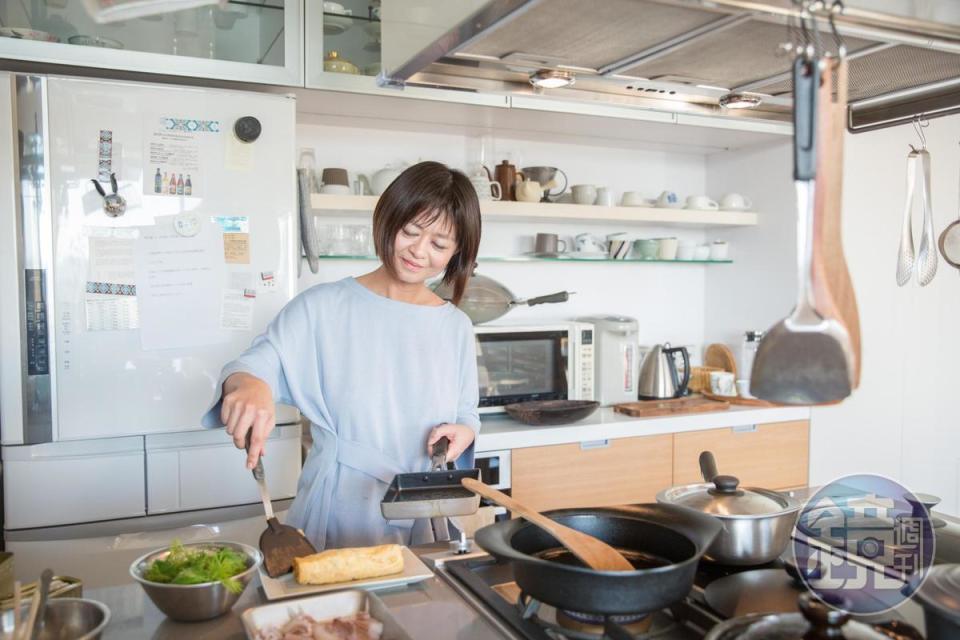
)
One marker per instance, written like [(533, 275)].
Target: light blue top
[(373, 376)]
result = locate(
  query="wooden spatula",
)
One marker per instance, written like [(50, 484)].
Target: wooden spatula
[(832, 285), (279, 543), (594, 553)]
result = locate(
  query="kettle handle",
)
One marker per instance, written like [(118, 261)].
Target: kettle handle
[(681, 387)]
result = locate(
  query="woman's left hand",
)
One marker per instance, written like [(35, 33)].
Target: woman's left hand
[(460, 436)]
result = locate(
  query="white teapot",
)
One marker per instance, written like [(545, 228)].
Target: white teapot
[(379, 181)]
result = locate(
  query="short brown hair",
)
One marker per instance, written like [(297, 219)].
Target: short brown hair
[(434, 190)]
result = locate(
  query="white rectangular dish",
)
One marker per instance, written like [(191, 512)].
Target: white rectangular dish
[(324, 607), (286, 587)]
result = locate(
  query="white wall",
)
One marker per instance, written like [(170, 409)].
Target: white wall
[(666, 299), (901, 422), (903, 419)]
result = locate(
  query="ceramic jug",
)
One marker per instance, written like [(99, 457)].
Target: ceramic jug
[(379, 181), (506, 175), (528, 190)]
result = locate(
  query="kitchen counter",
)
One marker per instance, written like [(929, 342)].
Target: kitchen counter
[(428, 609), (499, 431)]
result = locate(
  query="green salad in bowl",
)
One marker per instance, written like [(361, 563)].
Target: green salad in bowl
[(197, 580), (197, 566)]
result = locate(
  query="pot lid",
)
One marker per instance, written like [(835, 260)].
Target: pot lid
[(816, 617), (941, 590), (724, 497)]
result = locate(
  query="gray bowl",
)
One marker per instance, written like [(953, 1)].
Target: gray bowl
[(194, 602), (74, 618)]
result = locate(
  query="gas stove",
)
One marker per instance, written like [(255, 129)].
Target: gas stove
[(488, 585)]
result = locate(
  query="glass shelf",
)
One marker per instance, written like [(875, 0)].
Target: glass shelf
[(546, 259)]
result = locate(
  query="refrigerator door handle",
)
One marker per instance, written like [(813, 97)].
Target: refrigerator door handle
[(11, 270)]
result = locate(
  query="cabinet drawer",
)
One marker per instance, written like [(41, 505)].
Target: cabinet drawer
[(773, 456), (612, 472)]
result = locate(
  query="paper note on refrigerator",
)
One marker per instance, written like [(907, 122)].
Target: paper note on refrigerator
[(110, 298), (179, 280), (236, 309), (173, 155)]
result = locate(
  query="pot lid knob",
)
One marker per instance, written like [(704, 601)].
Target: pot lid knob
[(825, 617), (726, 484)]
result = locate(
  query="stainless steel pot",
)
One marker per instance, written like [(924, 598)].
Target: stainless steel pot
[(757, 523)]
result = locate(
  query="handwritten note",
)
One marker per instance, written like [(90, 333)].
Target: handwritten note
[(179, 284)]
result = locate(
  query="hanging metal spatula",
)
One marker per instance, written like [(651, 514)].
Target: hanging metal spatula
[(279, 543), (805, 358)]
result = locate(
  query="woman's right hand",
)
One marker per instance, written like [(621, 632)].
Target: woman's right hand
[(247, 407)]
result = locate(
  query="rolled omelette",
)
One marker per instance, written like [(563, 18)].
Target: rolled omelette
[(343, 565)]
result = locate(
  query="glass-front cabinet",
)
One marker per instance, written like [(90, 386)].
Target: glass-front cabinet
[(242, 40), (343, 41)]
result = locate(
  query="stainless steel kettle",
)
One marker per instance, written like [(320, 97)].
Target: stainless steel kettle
[(658, 377)]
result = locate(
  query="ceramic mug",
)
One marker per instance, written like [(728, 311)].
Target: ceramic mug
[(604, 197), (584, 193), (722, 383), (486, 190), (633, 199), (719, 250), (646, 248), (668, 248), (549, 244), (743, 388), (588, 243), (735, 202), (618, 246), (701, 252), (701, 202), (685, 250), (668, 199)]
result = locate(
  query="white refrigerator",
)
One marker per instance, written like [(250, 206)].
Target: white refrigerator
[(118, 310)]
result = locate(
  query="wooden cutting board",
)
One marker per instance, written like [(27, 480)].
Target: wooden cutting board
[(651, 408), (740, 400), (719, 355)]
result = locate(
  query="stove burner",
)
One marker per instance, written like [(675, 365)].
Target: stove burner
[(578, 625), (593, 623)]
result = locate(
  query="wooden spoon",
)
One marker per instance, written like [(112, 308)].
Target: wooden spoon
[(594, 553)]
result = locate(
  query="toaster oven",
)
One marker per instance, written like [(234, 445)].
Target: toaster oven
[(520, 363)]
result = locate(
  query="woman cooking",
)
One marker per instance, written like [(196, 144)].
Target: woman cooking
[(381, 366)]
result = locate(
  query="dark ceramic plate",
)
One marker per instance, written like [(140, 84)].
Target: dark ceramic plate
[(545, 412)]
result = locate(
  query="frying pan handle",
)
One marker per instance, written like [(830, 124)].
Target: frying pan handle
[(806, 84), (708, 466), (562, 296), (438, 458)]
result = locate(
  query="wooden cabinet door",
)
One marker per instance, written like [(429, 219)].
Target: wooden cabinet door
[(618, 471), (772, 456)]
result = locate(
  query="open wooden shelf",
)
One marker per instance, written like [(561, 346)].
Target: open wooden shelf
[(493, 210)]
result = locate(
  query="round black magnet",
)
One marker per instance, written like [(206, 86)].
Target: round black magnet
[(247, 128)]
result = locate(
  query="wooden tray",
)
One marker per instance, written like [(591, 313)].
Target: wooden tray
[(740, 400), (651, 408)]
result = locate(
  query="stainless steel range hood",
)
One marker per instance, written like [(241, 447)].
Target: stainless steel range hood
[(676, 55)]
